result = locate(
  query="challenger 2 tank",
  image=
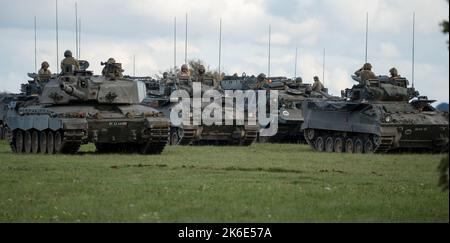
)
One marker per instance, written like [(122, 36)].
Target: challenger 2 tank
[(77, 107), (200, 134), (379, 116)]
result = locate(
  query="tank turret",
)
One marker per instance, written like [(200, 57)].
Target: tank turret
[(78, 107), (380, 115)]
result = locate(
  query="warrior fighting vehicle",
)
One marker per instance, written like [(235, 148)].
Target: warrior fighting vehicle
[(77, 107), (376, 117), (200, 134), (291, 94)]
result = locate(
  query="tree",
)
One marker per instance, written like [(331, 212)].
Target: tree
[(444, 26)]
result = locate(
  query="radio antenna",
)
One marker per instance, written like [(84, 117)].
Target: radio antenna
[(367, 35), (295, 68), (220, 45), (175, 43), (268, 65), (413, 47), (57, 39), (76, 31), (35, 45), (186, 40), (323, 67)]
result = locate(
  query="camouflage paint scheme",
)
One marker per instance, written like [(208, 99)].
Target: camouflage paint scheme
[(77, 108), (378, 117), (239, 135)]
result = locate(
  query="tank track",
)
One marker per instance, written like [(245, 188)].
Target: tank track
[(156, 141), (187, 137), (45, 142), (249, 137), (339, 142)]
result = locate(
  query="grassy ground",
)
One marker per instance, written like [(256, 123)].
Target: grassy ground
[(262, 183)]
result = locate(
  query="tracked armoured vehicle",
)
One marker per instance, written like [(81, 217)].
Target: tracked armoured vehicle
[(77, 107), (199, 134), (381, 116), (291, 94)]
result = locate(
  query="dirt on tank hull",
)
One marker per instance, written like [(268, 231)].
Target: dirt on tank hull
[(77, 107), (377, 118)]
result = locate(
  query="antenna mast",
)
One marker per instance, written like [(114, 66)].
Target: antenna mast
[(367, 34), (295, 68), (323, 67), (185, 41), (35, 45), (79, 38), (220, 45), (175, 43), (268, 66), (413, 47), (57, 39), (134, 65), (76, 31)]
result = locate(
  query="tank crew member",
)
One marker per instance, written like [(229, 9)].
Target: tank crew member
[(185, 71), (317, 86), (260, 81), (365, 73), (112, 69), (394, 76), (44, 73), (394, 73), (69, 64)]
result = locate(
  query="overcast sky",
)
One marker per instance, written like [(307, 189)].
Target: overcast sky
[(144, 28)]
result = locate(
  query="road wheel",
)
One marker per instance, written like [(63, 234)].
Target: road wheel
[(329, 145), (27, 142), (309, 134), (359, 146), (58, 142), (35, 142), (349, 145), (42, 142), (50, 143), (174, 139), (18, 141), (338, 145), (368, 146), (320, 144)]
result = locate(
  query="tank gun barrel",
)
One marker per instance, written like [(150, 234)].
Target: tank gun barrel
[(72, 91)]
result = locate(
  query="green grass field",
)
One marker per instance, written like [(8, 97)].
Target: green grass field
[(261, 183)]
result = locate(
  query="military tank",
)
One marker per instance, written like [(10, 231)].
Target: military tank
[(77, 107), (291, 94), (382, 115), (28, 95), (239, 135)]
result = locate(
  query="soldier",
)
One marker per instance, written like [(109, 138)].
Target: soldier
[(112, 69), (44, 73), (365, 73), (69, 64), (185, 71), (317, 86), (394, 73), (201, 74)]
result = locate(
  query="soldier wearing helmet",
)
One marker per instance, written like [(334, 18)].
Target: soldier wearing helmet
[(261, 80), (44, 73), (317, 86), (112, 69), (69, 64), (185, 71), (365, 73)]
